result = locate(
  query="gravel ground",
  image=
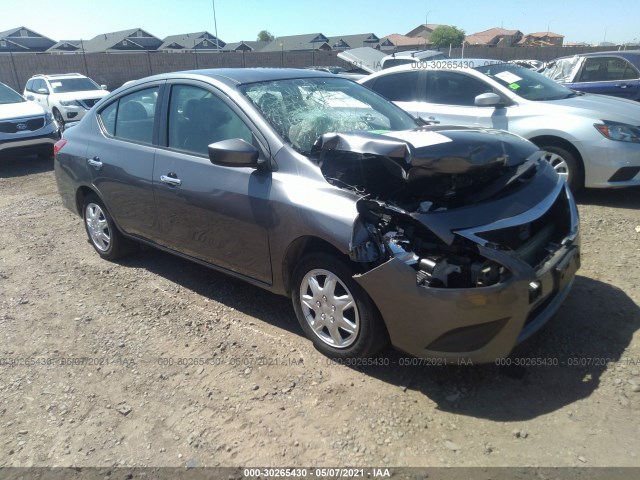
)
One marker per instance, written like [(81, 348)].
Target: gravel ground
[(155, 361)]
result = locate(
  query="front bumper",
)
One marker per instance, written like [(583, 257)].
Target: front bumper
[(476, 324), (29, 143), (609, 163), (73, 113)]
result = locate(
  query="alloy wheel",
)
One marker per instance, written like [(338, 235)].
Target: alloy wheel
[(98, 227)]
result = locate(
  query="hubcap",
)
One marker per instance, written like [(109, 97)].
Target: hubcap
[(329, 308), (558, 163), (98, 227)]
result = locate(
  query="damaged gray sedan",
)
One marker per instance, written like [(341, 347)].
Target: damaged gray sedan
[(448, 242)]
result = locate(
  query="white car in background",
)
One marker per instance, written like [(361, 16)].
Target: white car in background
[(67, 96), (592, 140)]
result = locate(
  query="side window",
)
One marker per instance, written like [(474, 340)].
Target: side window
[(595, 70), (399, 87), (197, 118), (453, 88), (131, 117), (29, 87), (39, 84), (108, 118), (621, 69)]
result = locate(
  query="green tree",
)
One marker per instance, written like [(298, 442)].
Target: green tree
[(265, 36), (444, 35)]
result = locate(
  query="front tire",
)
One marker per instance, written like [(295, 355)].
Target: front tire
[(58, 117), (566, 165), (334, 311), (103, 235)]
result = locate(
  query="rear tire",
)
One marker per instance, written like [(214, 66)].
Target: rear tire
[(103, 235), (336, 314), (566, 165)]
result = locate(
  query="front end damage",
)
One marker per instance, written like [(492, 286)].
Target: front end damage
[(468, 240)]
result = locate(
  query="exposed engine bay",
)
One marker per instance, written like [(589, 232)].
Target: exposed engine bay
[(415, 196)]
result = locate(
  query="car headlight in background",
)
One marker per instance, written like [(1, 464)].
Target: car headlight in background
[(69, 103), (621, 132)]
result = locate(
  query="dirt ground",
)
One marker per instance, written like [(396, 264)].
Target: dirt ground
[(155, 361)]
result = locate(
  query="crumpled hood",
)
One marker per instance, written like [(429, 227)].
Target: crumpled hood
[(433, 163)]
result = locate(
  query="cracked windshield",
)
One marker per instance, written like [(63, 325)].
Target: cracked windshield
[(301, 110)]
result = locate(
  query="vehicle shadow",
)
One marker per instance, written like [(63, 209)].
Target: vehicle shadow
[(217, 286), (589, 333), (20, 166), (617, 198)]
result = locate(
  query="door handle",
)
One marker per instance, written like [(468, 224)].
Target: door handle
[(95, 163), (171, 180), (622, 85)]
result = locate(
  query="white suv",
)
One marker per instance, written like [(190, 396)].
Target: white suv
[(67, 96)]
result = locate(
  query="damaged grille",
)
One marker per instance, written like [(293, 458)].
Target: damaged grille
[(533, 242)]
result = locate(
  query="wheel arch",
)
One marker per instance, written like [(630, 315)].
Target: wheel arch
[(82, 193), (300, 247), (543, 140)]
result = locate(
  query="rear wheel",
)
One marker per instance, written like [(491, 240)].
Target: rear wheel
[(566, 165), (334, 311), (102, 232)]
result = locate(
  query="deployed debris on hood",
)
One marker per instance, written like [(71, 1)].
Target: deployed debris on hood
[(448, 166)]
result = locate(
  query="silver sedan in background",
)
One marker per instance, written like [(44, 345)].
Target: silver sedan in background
[(592, 140)]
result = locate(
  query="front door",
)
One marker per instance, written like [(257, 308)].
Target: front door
[(216, 214)]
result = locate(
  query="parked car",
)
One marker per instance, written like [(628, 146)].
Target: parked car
[(67, 96), (371, 60), (591, 140), (451, 242), (607, 73), (25, 128)]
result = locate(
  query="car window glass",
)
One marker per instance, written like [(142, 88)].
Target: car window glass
[(29, 87), (74, 84), (131, 117), (628, 71), (108, 118), (453, 88), (302, 110), (602, 69), (40, 84), (197, 118), (398, 87)]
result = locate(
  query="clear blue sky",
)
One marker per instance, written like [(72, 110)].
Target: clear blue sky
[(579, 20)]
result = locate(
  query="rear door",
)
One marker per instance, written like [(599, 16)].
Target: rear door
[(608, 75), (121, 158)]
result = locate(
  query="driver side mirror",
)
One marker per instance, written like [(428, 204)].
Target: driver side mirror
[(488, 100), (43, 91), (234, 152)]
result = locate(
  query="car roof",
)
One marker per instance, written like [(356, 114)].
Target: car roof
[(57, 75), (237, 76), (619, 53), (444, 64)]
